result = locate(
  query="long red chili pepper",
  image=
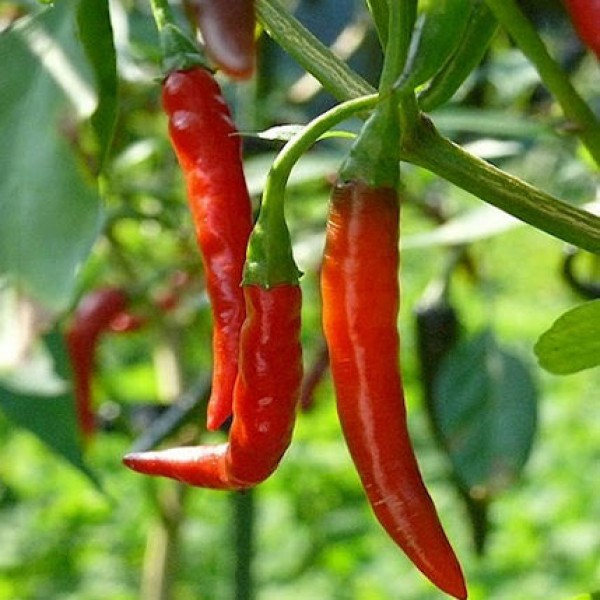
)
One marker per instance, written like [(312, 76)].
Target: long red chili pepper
[(585, 15), (265, 401), (227, 28), (360, 292), (92, 317), (269, 370), (208, 148)]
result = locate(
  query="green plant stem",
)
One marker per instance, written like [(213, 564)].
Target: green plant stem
[(379, 12), (401, 21), (283, 164), (270, 261), (316, 58), (162, 13), (556, 80), (421, 144), (243, 539), (429, 149)]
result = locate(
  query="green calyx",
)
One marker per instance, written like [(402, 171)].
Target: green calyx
[(375, 155), (269, 260), (179, 53)]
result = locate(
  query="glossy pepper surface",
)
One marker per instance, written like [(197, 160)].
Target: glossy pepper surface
[(93, 316), (265, 401), (208, 148), (227, 28), (360, 308)]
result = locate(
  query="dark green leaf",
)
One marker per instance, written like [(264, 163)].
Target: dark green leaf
[(485, 400), (39, 401), (572, 344), (95, 32), (49, 209)]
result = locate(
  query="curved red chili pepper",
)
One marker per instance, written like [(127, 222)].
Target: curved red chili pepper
[(227, 28), (208, 148), (92, 317), (265, 401), (360, 308), (585, 15)]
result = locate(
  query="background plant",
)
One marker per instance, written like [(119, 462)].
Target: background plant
[(79, 210)]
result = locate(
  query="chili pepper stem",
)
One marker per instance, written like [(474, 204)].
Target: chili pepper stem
[(333, 74), (178, 50), (427, 148)]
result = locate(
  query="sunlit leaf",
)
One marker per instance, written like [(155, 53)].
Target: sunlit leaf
[(572, 344), (49, 209), (485, 400)]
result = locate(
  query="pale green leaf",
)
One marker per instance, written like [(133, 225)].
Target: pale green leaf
[(49, 208), (572, 344)]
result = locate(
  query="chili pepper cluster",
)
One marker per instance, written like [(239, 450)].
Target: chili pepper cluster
[(253, 287)]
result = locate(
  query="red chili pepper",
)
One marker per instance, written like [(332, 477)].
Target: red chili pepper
[(360, 308), (265, 401), (92, 317), (208, 148), (585, 15), (227, 28)]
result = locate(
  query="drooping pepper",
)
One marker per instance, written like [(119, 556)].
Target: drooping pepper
[(265, 402), (267, 388), (585, 15), (227, 28), (208, 148), (360, 291), (93, 316)]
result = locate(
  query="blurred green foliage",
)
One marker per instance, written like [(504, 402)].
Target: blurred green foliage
[(314, 536)]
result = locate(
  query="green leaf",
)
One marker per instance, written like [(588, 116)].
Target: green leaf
[(485, 403), (39, 400), (95, 32), (49, 209), (572, 344)]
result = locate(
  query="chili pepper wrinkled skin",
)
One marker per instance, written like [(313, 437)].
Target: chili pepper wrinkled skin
[(92, 317), (227, 28), (360, 292), (585, 15), (208, 148), (266, 398)]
